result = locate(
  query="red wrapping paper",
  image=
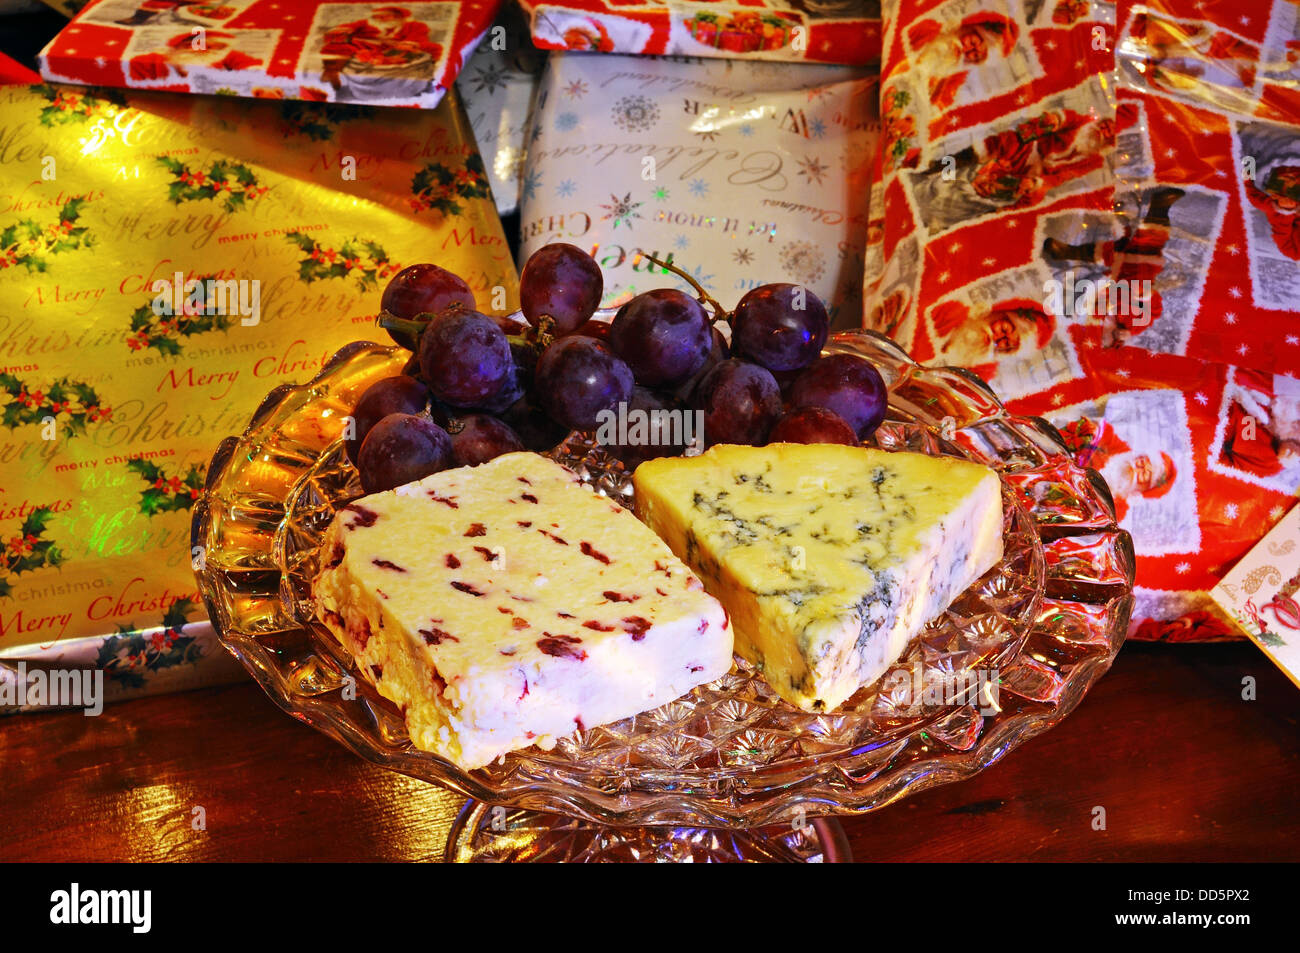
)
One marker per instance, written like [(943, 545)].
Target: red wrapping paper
[(824, 31), (404, 54), (1025, 155)]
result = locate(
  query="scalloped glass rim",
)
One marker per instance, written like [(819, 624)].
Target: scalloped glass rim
[(257, 478)]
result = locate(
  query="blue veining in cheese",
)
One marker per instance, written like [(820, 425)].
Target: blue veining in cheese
[(828, 558)]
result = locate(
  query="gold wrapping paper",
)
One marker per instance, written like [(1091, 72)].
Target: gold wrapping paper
[(110, 407)]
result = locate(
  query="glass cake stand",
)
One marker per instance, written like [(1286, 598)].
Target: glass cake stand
[(728, 771)]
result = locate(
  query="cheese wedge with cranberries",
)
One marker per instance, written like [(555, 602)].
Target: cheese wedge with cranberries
[(829, 558), (506, 605)]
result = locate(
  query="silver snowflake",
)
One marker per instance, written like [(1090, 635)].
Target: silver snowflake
[(635, 114), (489, 78), (812, 169), (803, 260), (621, 210)]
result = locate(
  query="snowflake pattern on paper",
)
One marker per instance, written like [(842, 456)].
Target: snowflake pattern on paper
[(635, 114), (489, 78), (812, 169), (803, 260), (621, 210)]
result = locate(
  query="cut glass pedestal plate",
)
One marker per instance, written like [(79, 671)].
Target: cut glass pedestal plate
[(728, 772)]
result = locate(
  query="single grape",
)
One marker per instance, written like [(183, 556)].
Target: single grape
[(464, 358), (663, 335), (562, 281), (578, 377), (740, 401), (718, 352), (656, 426), (848, 385), (780, 326), (401, 448), (812, 425), (478, 438), (392, 395), (421, 289)]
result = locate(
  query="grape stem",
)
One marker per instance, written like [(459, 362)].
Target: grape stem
[(412, 326), (719, 312), (535, 337)]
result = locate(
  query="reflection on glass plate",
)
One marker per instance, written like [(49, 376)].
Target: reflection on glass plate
[(1011, 657)]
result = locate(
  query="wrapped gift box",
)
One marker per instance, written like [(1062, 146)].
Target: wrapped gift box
[(836, 31), (370, 53), (1104, 257), (498, 87), (167, 261), (737, 172)]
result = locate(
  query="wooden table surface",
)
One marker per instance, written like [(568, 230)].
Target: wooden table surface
[(1184, 767)]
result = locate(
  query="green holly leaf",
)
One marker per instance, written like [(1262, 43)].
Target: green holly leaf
[(165, 345), (147, 469), (36, 521), (71, 210), (178, 614), (305, 242), (172, 164), (5, 588), (142, 317), (152, 500)]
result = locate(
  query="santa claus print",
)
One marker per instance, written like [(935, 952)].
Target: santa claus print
[(948, 51), (1267, 157), (368, 53), (387, 38), (1135, 259), (1032, 160), (1259, 430), (978, 337), (1183, 56), (1278, 198), (1140, 442), (182, 53), (1128, 472)]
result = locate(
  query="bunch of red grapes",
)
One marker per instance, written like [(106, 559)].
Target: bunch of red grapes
[(478, 386)]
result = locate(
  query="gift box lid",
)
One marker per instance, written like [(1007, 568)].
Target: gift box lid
[(826, 31), (378, 54)]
